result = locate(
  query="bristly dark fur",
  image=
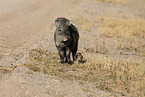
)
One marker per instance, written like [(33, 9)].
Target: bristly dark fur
[(66, 39)]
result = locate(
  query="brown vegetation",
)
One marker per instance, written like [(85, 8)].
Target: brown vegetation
[(115, 75)]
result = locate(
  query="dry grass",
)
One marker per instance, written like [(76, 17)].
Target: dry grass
[(78, 1), (113, 1), (85, 23), (114, 75), (122, 75), (129, 33), (109, 1), (120, 27), (7, 70), (143, 0)]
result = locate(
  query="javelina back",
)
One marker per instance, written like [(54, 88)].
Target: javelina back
[(66, 38)]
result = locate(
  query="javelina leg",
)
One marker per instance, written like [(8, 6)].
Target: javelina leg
[(68, 56), (74, 54), (61, 53)]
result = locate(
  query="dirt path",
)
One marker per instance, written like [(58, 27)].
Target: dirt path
[(22, 25), (25, 83)]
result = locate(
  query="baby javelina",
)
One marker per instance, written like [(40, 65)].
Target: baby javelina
[(80, 58)]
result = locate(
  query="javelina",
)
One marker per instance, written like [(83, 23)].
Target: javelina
[(66, 38)]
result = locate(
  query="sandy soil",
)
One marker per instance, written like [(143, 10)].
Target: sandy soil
[(30, 24), (22, 22)]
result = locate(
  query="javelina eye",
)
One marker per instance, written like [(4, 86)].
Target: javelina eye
[(67, 32), (59, 31)]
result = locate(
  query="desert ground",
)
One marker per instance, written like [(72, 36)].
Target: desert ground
[(112, 41)]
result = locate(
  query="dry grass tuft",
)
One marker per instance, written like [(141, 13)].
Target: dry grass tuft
[(129, 33), (7, 70), (113, 75)]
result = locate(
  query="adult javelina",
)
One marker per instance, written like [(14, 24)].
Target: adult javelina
[(66, 39)]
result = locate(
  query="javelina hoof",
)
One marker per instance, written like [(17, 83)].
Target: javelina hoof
[(61, 61), (70, 62)]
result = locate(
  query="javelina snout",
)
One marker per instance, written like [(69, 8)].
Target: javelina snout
[(66, 39), (63, 38)]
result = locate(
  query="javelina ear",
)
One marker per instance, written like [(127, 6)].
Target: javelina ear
[(68, 22), (56, 22)]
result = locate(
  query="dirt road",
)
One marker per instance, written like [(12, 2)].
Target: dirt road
[(21, 22)]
